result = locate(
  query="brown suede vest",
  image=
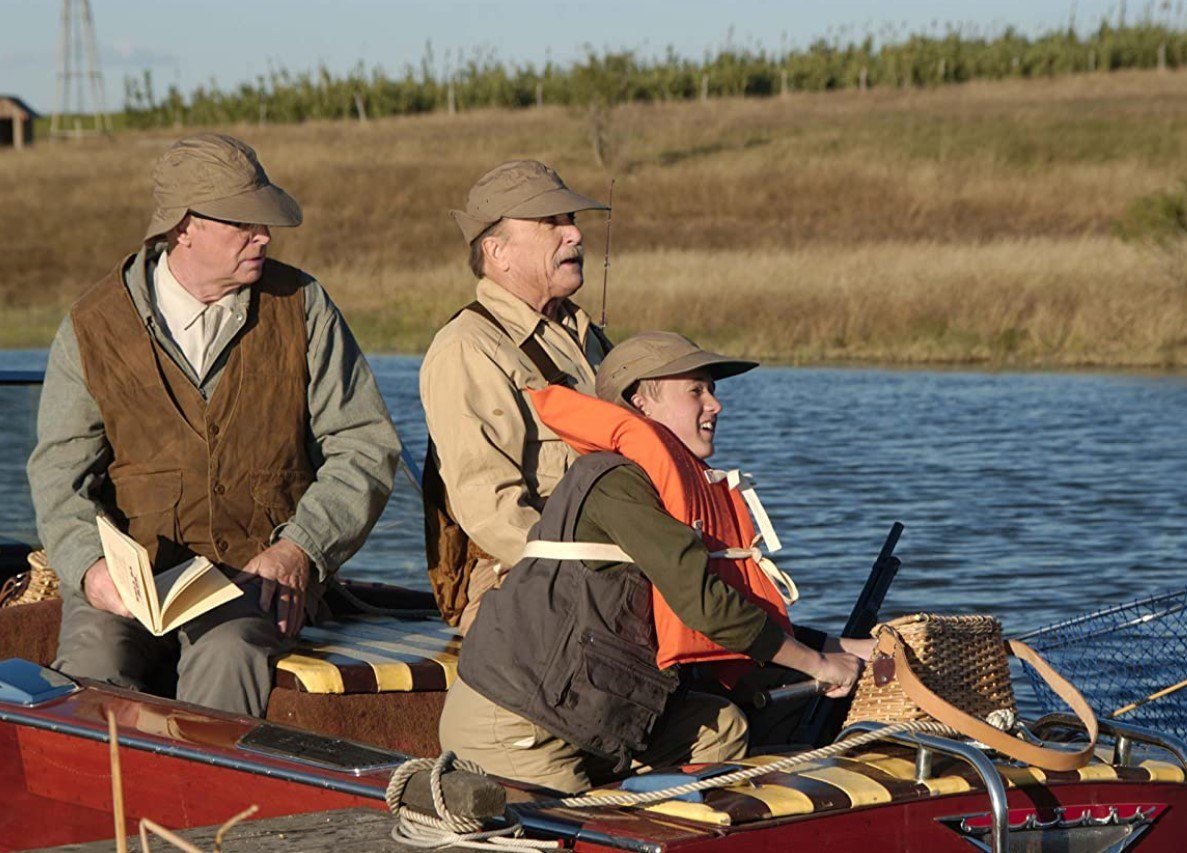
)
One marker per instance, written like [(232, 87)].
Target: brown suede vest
[(191, 476)]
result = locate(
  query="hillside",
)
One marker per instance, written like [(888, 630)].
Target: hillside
[(961, 224)]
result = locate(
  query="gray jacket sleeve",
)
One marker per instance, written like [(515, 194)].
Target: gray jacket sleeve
[(352, 442), (69, 463)]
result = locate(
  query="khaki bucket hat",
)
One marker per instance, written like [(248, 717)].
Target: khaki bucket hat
[(217, 176), (654, 355), (518, 189)]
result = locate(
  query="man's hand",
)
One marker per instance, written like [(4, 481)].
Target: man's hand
[(100, 590), (839, 670), (835, 669), (864, 649), (286, 566)]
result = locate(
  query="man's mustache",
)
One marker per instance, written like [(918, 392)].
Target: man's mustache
[(577, 255)]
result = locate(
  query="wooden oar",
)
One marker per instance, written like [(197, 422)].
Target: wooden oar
[(1166, 691)]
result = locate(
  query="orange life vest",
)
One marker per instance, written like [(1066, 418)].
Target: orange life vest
[(588, 424)]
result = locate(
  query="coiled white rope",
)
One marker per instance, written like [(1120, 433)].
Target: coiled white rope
[(431, 832), (445, 829)]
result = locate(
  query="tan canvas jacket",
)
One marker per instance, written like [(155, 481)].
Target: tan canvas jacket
[(498, 462)]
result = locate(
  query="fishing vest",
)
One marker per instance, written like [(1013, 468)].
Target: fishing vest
[(712, 502), (569, 648), (190, 476)]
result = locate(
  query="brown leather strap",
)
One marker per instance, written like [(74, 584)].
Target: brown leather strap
[(552, 374), (891, 643)]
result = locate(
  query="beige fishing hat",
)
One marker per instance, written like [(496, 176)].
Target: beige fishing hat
[(217, 176), (518, 189), (654, 355)]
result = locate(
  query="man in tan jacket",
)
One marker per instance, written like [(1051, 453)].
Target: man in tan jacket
[(496, 461)]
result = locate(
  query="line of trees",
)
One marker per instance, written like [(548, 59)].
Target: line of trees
[(892, 59)]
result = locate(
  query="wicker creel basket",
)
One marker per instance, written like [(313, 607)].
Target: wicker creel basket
[(961, 658), (39, 583), (954, 669)]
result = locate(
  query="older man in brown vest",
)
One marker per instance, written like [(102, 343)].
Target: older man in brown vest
[(213, 402), (497, 462)]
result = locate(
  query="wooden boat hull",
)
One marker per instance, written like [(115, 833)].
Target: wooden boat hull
[(183, 767)]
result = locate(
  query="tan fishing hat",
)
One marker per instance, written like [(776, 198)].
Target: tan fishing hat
[(654, 355), (517, 189), (217, 176)]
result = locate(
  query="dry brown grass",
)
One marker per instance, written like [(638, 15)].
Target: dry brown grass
[(966, 224)]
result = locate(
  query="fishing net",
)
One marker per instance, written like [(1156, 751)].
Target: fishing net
[(1122, 657)]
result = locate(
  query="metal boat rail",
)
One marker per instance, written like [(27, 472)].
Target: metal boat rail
[(1124, 735), (928, 745)]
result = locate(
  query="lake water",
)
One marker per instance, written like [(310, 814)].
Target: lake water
[(1030, 496)]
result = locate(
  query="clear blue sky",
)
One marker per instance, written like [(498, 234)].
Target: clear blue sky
[(189, 43)]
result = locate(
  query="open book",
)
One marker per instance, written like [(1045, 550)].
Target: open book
[(168, 600)]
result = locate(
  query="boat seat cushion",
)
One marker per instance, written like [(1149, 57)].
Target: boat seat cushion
[(350, 654), (371, 654), (30, 631)]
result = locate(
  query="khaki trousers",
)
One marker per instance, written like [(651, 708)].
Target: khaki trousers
[(486, 575), (695, 728), (223, 658)]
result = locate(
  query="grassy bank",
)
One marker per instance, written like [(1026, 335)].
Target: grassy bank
[(969, 224)]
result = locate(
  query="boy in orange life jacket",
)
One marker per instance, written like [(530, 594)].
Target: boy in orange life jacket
[(558, 678)]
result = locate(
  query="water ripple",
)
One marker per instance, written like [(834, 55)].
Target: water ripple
[(1031, 496)]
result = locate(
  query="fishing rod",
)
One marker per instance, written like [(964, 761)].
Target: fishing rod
[(823, 718), (1157, 694), (606, 259)]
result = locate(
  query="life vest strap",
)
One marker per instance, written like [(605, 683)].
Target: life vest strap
[(597, 551), (744, 483), (782, 582)]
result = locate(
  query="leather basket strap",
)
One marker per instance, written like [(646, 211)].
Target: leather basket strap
[(891, 643)]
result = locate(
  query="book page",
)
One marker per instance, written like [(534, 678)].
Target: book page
[(127, 563), (191, 589), (171, 582)]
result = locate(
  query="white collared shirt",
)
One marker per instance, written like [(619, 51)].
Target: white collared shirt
[(189, 322)]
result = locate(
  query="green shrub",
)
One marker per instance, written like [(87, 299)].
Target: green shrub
[(1159, 219), (601, 81)]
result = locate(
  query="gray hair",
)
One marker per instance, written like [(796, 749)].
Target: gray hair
[(477, 255)]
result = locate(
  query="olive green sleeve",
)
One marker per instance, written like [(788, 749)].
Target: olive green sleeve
[(625, 509)]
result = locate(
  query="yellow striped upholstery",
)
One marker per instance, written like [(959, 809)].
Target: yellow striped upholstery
[(873, 778), (371, 654)]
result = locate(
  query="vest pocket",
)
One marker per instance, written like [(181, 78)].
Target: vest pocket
[(274, 496), (149, 502), (626, 691)]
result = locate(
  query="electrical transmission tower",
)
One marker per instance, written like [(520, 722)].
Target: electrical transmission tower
[(76, 45)]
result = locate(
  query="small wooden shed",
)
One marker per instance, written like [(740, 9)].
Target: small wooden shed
[(16, 122)]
